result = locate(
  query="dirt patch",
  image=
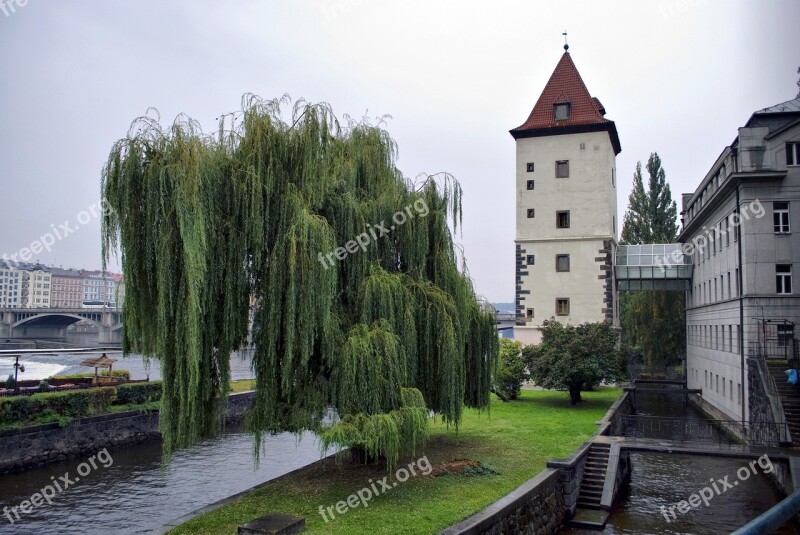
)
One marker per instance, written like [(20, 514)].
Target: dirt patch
[(462, 466)]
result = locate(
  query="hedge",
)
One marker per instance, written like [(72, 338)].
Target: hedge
[(138, 393), (76, 403), (73, 403)]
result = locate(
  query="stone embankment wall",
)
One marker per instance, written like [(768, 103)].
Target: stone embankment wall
[(37, 446), (535, 507)]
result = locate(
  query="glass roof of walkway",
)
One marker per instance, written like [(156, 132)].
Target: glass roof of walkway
[(661, 266)]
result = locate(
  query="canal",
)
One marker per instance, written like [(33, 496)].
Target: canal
[(664, 480)]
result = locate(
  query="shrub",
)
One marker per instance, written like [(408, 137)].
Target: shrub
[(10, 381), (44, 386), (511, 370), (138, 393), (50, 405)]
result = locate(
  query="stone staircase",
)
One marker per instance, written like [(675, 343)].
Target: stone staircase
[(594, 477), (790, 397)]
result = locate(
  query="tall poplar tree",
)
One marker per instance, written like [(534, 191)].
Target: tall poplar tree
[(652, 321), (360, 302)]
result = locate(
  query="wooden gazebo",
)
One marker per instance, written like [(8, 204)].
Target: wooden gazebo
[(100, 362)]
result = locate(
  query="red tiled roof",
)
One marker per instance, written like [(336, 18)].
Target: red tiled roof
[(565, 86)]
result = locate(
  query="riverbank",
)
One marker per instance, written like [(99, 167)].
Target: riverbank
[(36, 446), (489, 456)]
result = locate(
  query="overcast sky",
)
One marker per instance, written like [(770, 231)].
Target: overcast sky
[(677, 78)]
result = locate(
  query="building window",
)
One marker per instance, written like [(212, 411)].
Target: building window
[(562, 262), (531, 259), (562, 219), (793, 154), (783, 278), (530, 184), (529, 167), (780, 217), (562, 306), (530, 313), (562, 169), (561, 112), (612, 177), (531, 213)]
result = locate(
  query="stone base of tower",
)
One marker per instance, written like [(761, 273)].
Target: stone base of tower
[(528, 335)]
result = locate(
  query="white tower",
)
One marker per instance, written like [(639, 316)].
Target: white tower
[(566, 208)]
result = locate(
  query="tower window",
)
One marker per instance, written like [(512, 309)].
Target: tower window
[(562, 262), (562, 169), (531, 213), (531, 259), (562, 219), (561, 112), (562, 306), (530, 313), (529, 167), (530, 184)]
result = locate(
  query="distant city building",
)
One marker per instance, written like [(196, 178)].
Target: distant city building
[(10, 286), (743, 300), (566, 208), (99, 289), (36, 287), (25, 285), (67, 288)]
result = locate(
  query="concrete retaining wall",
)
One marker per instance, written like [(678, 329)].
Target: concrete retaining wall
[(39, 445)]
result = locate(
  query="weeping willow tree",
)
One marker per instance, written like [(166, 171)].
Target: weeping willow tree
[(358, 300)]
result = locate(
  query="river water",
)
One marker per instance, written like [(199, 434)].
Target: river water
[(134, 493), (42, 365), (666, 479)]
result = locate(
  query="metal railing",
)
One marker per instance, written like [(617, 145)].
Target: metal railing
[(787, 349), (770, 389), (716, 431), (638, 372)]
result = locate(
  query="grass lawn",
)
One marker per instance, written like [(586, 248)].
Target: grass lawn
[(515, 441), (243, 385)]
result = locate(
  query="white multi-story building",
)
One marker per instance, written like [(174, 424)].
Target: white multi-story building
[(566, 201), (99, 288), (10, 286), (36, 287), (743, 301)]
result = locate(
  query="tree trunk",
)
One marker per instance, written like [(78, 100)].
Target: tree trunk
[(575, 394)]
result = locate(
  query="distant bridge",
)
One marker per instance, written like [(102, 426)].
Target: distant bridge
[(504, 321), (53, 322)]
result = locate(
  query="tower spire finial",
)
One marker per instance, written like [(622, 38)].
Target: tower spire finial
[(566, 45)]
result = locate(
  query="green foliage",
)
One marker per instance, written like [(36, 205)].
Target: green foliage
[(511, 369), (9, 382), (205, 224), (138, 393), (122, 375), (44, 386), (574, 357), (652, 321), (382, 434), (71, 404)]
